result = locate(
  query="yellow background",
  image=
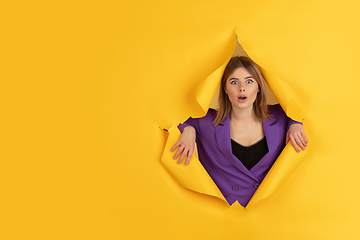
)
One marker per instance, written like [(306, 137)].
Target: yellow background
[(87, 87)]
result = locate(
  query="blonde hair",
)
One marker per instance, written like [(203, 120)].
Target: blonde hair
[(260, 106)]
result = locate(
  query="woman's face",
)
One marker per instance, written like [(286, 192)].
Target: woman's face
[(241, 88)]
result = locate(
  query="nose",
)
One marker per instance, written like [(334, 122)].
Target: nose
[(241, 88)]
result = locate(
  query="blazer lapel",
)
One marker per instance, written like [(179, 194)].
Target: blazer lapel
[(223, 139), (271, 130)]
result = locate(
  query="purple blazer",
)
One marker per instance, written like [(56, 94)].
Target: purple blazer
[(233, 179)]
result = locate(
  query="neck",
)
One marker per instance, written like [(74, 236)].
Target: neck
[(242, 114)]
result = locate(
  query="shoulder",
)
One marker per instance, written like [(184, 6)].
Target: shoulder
[(210, 115), (208, 119), (276, 111), (211, 112), (203, 121)]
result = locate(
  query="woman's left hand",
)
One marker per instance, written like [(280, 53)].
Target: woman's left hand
[(297, 136)]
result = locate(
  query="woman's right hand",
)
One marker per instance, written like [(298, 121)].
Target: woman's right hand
[(186, 145)]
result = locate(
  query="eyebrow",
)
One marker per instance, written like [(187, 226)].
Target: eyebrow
[(248, 77)]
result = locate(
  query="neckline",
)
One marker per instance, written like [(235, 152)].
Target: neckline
[(260, 140)]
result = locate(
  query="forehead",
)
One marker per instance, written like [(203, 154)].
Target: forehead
[(240, 73)]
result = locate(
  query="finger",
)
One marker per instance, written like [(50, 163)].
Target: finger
[(178, 152), (175, 146), (294, 144), (300, 142), (287, 138), (303, 140), (304, 136), (183, 155), (190, 153), (189, 157)]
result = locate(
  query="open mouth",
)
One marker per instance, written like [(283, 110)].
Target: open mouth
[(242, 98)]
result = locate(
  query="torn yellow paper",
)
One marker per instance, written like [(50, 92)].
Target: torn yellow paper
[(193, 176), (88, 86), (206, 90)]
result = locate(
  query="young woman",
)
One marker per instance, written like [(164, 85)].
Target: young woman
[(238, 144)]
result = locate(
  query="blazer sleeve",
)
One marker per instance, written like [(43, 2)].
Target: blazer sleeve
[(198, 122), (194, 122), (278, 111)]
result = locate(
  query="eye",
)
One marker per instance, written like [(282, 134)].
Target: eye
[(233, 82), (249, 81)]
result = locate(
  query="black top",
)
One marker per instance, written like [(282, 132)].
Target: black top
[(250, 155)]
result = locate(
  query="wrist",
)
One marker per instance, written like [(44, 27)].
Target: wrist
[(189, 128)]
